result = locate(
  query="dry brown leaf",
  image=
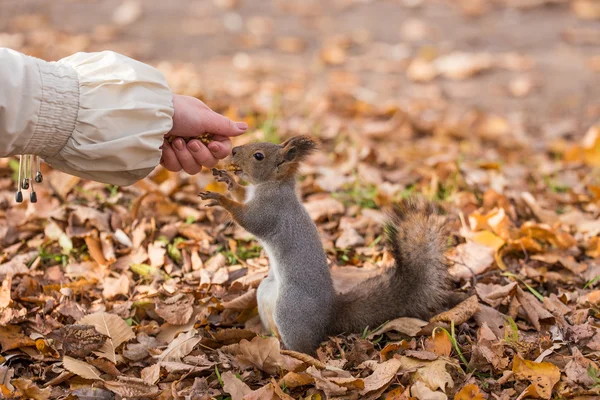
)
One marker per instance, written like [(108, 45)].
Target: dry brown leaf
[(421, 391), (408, 326), (323, 208), (236, 388), (577, 369), (30, 390), (81, 368), (382, 376), (543, 376), (459, 66), (132, 388), (471, 259), (141, 350), (324, 383), (435, 375), (5, 299), (176, 310), (243, 302), (349, 238), (114, 287), (459, 314), (494, 294), (305, 358), (533, 309), (151, 374), (110, 325), (296, 379), (95, 249), (181, 346), (12, 338), (263, 353), (81, 340)]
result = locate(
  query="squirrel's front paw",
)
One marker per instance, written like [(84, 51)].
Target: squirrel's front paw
[(215, 197), (223, 176)]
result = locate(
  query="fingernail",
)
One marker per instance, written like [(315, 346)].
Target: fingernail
[(194, 146), (179, 144), (213, 147), (242, 125)]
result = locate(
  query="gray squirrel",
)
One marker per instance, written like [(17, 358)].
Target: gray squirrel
[(297, 300)]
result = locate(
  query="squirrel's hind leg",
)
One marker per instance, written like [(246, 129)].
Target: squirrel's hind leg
[(301, 324)]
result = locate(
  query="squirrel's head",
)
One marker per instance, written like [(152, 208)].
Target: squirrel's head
[(264, 162)]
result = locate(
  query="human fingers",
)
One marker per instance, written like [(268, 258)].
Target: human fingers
[(212, 122), (169, 159), (185, 157), (202, 154)]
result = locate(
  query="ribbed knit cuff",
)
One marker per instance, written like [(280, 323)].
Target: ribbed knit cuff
[(58, 109)]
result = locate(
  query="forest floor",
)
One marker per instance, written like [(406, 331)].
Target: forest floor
[(489, 108)]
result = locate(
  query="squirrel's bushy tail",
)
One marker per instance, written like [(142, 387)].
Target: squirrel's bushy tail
[(417, 286)]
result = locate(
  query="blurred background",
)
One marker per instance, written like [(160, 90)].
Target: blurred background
[(536, 62)]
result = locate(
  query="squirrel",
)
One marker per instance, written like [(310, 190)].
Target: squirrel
[(297, 301)]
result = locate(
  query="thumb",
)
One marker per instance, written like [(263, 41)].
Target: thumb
[(212, 122)]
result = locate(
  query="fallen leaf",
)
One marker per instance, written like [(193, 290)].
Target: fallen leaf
[(408, 326), (295, 379), (422, 392), (435, 375), (132, 388), (469, 392), (151, 374), (12, 338), (263, 353), (81, 340), (176, 310), (471, 259), (460, 313), (321, 209), (81, 368), (114, 287), (439, 343), (494, 294), (30, 390), (533, 309), (543, 376), (577, 369), (382, 376), (110, 325), (181, 346), (236, 388)]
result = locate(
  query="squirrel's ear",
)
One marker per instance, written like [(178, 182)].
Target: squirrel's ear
[(297, 148)]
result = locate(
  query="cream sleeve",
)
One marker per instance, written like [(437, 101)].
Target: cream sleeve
[(101, 116)]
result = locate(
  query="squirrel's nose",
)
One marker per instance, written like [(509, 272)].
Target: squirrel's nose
[(234, 150)]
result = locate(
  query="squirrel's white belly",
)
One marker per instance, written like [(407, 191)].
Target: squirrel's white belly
[(250, 192), (268, 293)]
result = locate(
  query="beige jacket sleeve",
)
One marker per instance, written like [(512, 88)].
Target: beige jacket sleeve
[(101, 116)]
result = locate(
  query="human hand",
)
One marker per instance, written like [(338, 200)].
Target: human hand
[(193, 118)]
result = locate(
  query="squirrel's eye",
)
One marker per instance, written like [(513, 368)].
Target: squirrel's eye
[(259, 156)]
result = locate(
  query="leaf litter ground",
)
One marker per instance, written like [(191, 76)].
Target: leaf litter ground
[(141, 292)]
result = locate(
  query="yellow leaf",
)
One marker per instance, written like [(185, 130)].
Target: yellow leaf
[(488, 239), (215, 187), (543, 376), (500, 261), (469, 392), (439, 343), (591, 146), (593, 247)]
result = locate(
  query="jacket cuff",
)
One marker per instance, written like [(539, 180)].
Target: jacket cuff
[(58, 109)]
